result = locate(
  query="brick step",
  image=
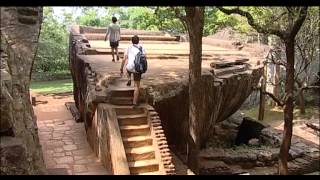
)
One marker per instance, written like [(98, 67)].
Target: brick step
[(128, 110), (135, 130), (100, 36), (143, 166), (150, 173), (137, 119), (121, 100), (123, 92), (137, 141), (140, 153)]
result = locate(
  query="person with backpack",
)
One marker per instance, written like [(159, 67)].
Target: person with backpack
[(114, 31), (135, 62)]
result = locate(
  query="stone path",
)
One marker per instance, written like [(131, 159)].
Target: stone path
[(63, 141)]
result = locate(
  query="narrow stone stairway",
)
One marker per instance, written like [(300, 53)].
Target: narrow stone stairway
[(135, 131)]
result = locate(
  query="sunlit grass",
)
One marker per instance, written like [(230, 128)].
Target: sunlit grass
[(58, 86), (274, 115)]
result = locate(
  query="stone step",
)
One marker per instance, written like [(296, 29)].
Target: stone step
[(135, 130), (150, 173), (137, 141), (137, 119), (123, 92), (140, 153), (101, 36), (128, 110), (143, 166), (121, 100)]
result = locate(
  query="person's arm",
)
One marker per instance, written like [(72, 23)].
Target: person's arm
[(145, 54), (108, 31), (124, 62), (119, 34)]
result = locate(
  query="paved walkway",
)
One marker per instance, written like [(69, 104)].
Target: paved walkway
[(63, 141)]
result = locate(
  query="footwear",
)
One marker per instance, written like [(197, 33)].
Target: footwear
[(118, 58), (134, 106), (113, 60), (129, 83)]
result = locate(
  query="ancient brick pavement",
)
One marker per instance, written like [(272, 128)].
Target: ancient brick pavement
[(63, 141)]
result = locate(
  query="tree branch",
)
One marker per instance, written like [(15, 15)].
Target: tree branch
[(311, 87), (182, 18), (297, 24), (179, 15), (273, 61), (255, 25), (274, 98)]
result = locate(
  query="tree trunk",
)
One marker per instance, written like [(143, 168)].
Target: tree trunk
[(276, 88), (195, 22), (288, 109), (262, 99), (301, 102), (300, 97), (20, 29)]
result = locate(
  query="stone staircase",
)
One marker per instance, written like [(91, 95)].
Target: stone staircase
[(142, 153)]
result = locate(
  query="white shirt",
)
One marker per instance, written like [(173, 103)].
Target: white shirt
[(131, 52), (114, 31)]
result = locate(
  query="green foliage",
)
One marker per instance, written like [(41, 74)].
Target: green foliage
[(90, 17), (50, 76), (142, 18), (46, 87), (167, 21), (52, 54), (274, 115)]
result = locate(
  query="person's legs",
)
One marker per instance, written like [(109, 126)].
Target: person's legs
[(116, 47), (129, 78), (136, 92), (117, 54), (112, 51), (136, 78)]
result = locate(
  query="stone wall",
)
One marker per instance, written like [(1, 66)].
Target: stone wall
[(86, 29), (105, 139), (20, 28)]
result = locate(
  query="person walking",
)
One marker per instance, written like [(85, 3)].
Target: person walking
[(113, 31), (131, 56)]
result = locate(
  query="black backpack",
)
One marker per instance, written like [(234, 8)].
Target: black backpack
[(140, 61)]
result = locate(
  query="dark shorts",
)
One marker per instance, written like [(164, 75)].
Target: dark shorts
[(136, 76), (114, 44)]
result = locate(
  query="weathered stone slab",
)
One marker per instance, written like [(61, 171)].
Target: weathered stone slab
[(13, 156)]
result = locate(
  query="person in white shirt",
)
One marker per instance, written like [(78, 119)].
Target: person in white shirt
[(128, 61), (114, 38)]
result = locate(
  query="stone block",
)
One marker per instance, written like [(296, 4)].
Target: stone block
[(14, 160)]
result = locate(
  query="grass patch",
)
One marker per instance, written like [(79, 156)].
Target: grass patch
[(50, 76), (47, 87), (274, 115)]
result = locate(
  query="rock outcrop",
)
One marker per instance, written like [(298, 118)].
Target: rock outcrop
[(20, 28), (228, 78), (259, 155)]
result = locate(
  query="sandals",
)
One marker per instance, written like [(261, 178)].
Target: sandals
[(129, 83), (134, 106)]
